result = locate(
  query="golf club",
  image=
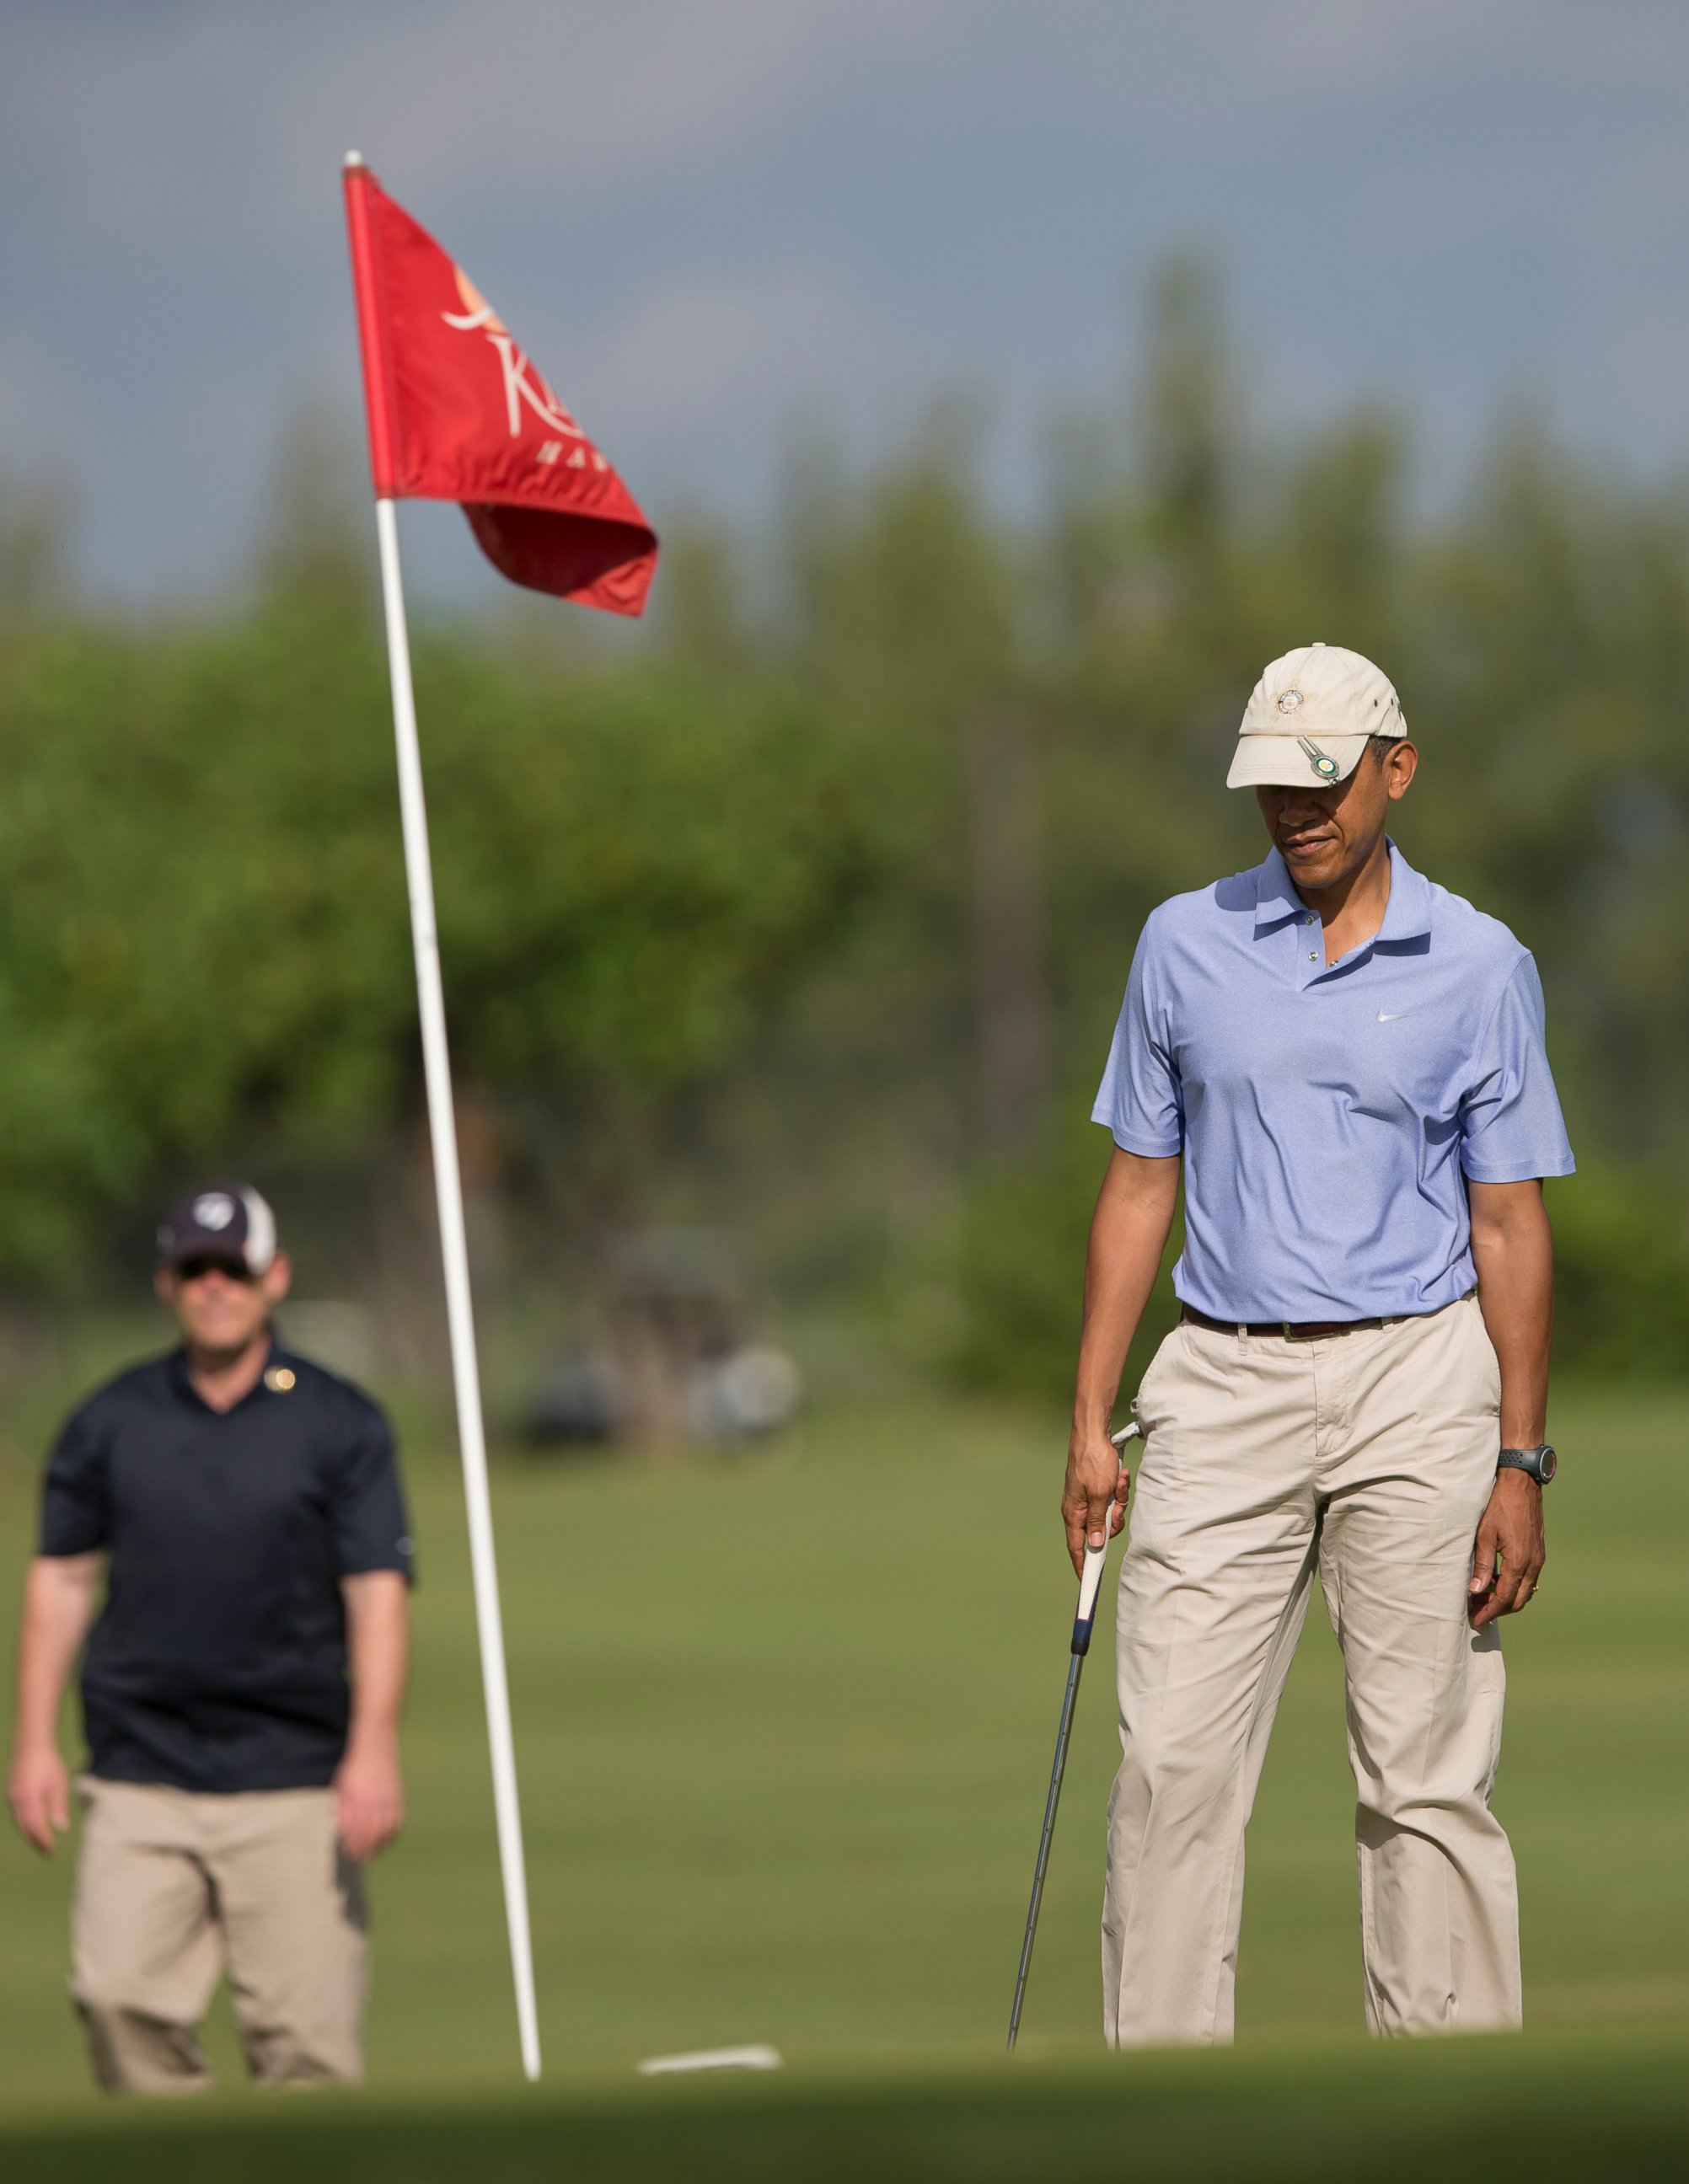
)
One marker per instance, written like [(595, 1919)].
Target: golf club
[(1090, 1586)]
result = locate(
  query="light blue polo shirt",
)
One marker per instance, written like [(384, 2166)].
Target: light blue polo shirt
[(1329, 1115)]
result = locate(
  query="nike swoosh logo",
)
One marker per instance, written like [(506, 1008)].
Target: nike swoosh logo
[(1392, 1016)]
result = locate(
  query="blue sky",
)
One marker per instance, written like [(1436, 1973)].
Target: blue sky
[(706, 218)]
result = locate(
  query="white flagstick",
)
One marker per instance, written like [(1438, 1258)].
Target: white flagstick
[(459, 1310)]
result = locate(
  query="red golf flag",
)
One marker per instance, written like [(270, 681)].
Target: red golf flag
[(458, 412)]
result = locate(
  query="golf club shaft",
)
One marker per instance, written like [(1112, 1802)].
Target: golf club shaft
[(1090, 1586), (1075, 1669)]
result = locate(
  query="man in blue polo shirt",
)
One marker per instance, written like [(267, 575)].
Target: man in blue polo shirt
[(241, 1684), (1347, 1063)]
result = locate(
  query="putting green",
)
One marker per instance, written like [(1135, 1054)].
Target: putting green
[(784, 1729)]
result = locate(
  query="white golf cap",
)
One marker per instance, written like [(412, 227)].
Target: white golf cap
[(1309, 716)]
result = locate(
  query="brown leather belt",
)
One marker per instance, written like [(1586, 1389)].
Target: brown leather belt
[(1293, 1330)]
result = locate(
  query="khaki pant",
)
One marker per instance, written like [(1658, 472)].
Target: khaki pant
[(172, 1888), (1370, 1456)]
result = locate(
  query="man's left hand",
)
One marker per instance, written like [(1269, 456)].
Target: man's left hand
[(369, 1799), (1509, 1552)]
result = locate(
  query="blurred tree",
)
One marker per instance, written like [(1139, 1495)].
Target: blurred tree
[(34, 533), (699, 614), (817, 913), (315, 548), (203, 904), (1192, 426), (905, 624)]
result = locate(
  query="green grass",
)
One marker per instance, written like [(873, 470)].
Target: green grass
[(784, 1730), (1594, 2107)]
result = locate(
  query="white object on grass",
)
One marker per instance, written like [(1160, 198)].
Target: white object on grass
[(712, 2058)]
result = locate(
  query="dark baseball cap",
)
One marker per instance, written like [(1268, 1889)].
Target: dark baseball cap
[(235, 1225)]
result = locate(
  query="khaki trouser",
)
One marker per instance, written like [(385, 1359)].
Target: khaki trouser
[(1371, 1456), (171, 1888)]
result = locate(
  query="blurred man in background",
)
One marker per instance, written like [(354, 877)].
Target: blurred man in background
[(1348, 1062), (241, 1688)]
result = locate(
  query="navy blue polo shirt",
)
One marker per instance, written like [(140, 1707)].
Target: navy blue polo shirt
[(218, 1662)]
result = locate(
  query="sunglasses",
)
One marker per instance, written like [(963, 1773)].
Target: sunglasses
[(194, 1270)]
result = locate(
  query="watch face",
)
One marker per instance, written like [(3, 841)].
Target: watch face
[(1550, 1464)]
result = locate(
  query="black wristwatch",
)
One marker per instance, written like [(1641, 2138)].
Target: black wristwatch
[(1541, 1462)]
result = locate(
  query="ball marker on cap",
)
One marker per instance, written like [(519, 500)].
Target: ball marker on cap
[(1313, 711)]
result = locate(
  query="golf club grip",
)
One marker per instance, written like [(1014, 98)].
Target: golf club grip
[(1091, 1576)]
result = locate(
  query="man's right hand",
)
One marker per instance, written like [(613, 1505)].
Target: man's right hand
[(1129, 1233), (38, 1791), (1093, 1498)]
